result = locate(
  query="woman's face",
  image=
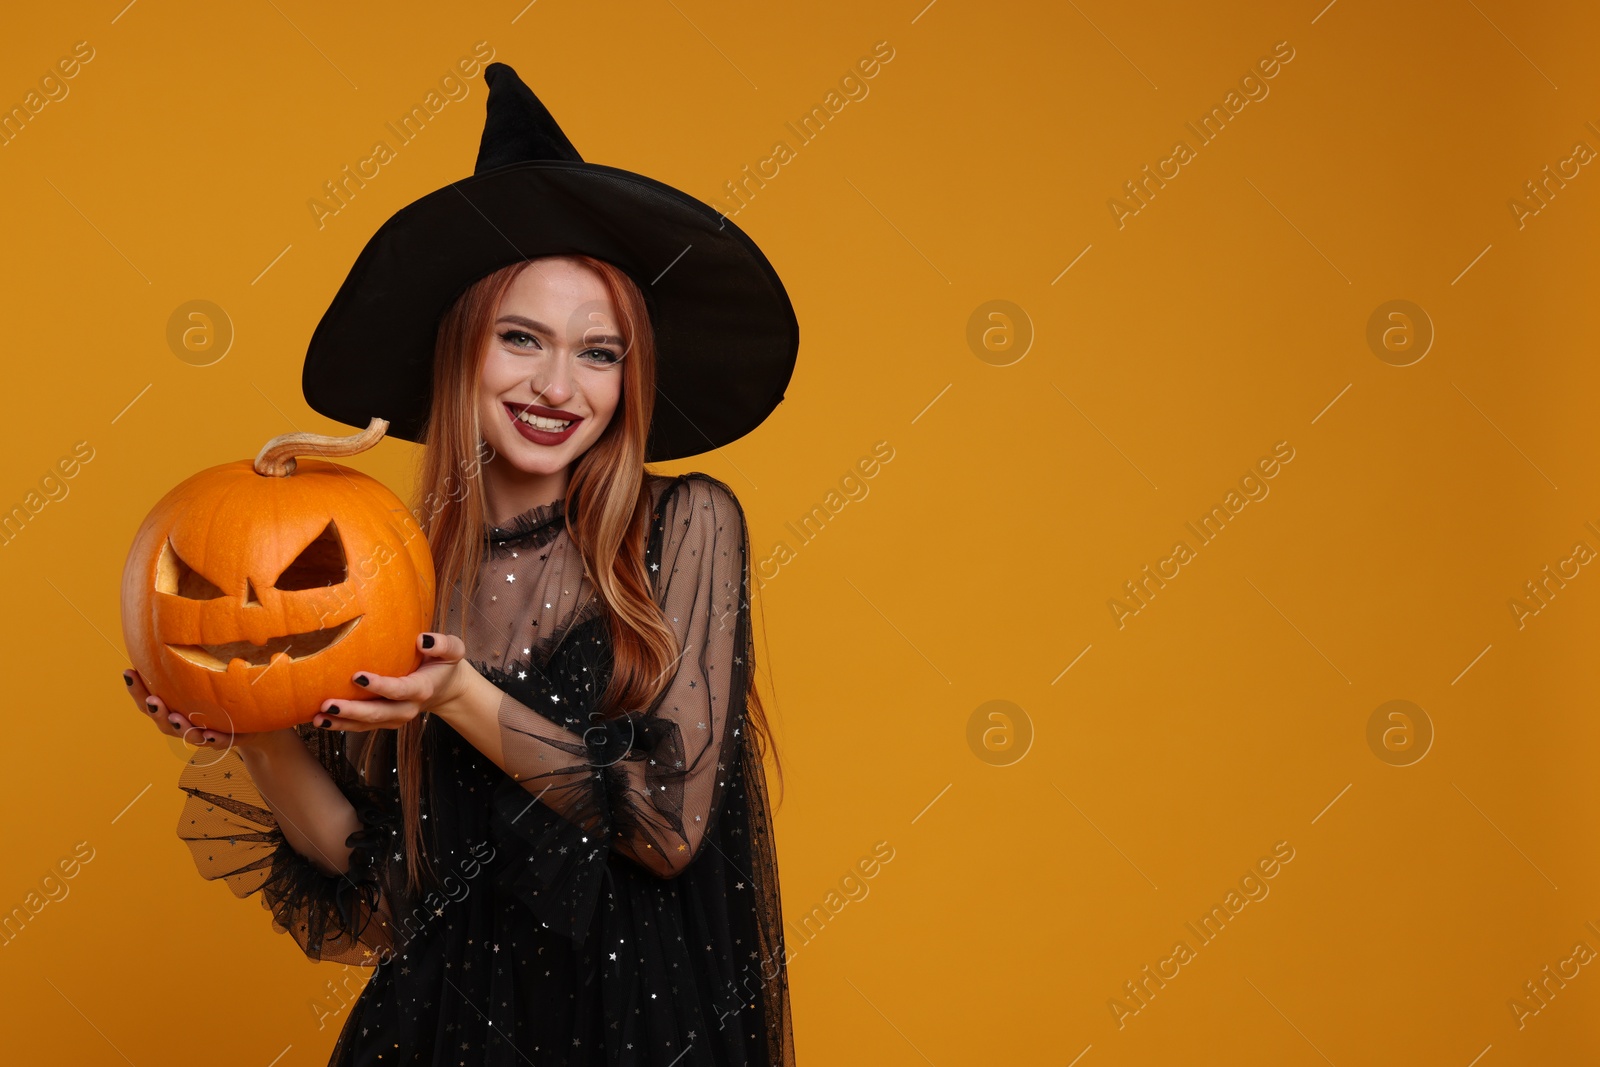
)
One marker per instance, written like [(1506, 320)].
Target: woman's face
[(551, 373)]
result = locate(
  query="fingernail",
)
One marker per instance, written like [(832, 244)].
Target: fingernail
[(152, 706), (361, 679), (333, 709), (325, 724), (427, 640), (173, 719), (127, 679)]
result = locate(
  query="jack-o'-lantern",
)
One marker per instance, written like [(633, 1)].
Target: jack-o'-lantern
[(256, 590)]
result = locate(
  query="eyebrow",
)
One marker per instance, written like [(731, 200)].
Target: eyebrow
[(520, 320)]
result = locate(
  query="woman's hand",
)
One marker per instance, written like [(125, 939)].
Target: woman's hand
[(176, 724), (399, 699)]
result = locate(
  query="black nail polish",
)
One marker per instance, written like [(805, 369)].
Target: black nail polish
[(127, 680), (325, 724), (361, 679), (152, 706), (333, 709), (427, 640)]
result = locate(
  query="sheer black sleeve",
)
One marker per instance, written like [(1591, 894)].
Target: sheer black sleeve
[(233, 836), (646, 785)]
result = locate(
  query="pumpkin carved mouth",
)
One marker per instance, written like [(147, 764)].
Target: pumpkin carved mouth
[(296, 646)]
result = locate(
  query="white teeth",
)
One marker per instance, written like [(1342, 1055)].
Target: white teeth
[(539, 422)]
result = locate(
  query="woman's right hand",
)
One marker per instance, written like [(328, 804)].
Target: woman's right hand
[(176, 724)]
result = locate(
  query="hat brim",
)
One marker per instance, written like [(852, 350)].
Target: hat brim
[(726, 333)]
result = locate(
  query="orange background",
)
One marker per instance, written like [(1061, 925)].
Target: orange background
[(1043, 859)]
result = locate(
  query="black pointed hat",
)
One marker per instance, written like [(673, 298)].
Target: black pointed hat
[(726, 334)]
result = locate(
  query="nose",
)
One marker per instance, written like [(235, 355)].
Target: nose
[(557, 377)]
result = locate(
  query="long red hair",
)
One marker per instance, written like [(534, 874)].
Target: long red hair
[(607, 516)]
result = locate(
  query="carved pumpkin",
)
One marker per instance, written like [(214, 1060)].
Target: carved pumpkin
[(256, 590)]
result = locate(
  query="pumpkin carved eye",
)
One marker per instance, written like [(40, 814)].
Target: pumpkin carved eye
[(175, 576), (321, 563)]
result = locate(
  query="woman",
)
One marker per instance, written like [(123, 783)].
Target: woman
[(551, 840)]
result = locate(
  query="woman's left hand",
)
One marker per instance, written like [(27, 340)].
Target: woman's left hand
[(399, 699)]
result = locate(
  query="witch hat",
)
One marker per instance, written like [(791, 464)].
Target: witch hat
[(726, 333)]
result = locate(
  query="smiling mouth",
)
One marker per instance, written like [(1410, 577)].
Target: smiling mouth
[(297, 646), (541, 422)]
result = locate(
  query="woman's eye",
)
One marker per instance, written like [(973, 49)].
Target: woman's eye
[(517, 338), (604, 355)]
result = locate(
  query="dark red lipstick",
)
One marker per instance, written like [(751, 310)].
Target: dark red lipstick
[(533, 433)]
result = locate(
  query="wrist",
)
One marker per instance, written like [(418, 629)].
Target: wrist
[(264, 744), (451, 694)]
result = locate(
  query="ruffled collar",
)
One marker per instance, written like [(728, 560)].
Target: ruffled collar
[(541, 519)]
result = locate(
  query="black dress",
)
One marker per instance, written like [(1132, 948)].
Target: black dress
[(612, 897)]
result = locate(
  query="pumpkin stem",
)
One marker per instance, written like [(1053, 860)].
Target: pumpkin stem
[(276, 458)]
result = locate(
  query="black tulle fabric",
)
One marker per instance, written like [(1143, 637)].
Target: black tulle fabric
[(611, 896)]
